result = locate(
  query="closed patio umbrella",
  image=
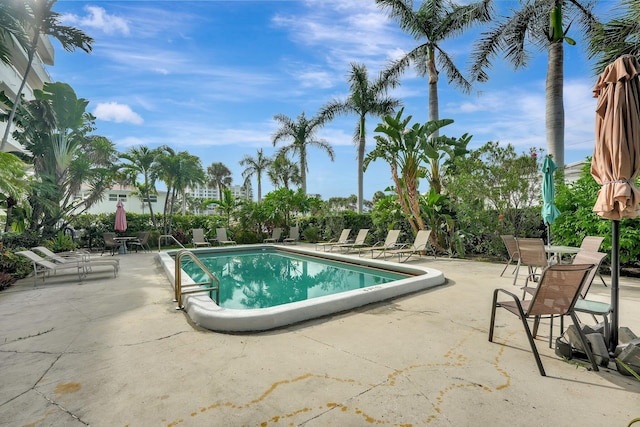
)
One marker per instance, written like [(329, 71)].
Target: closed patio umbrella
[(549, 210), (121, 217), (616, 159)]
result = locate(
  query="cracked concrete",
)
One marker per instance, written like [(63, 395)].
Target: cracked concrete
[(114, 352)]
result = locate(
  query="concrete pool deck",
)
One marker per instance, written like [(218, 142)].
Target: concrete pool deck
[(115, 352)]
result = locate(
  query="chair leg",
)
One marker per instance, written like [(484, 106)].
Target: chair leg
[(583, 339), (532, 343), (506, 266), (493, 315)]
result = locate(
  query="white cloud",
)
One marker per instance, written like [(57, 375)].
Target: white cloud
[(99, 19), (119, 113)]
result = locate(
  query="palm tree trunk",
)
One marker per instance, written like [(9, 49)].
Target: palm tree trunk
[(303, 170), (361, 146), (433, 89), (555, 104), (16, 102)]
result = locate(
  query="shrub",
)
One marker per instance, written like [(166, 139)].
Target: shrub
[(311, 234)]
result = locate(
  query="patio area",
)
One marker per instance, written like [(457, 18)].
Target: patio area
[(114, 351)]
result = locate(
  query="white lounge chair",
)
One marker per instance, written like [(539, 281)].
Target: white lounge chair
[(44, 266), (221, 234), (380, 247), (358, 242), (421, 244), (344, 238), (294, 236), (198, 238), (275, 236), (70, 258)]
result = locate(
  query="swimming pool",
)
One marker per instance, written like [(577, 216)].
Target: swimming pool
[(205, 312)]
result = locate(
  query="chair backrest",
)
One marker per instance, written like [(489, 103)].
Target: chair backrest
[(344, 236), (558, 289), (531, 252), (511, 245), (392, 239), (586, 257), (591, 243), (221, 234), (37, 259), (361, 237), (109, 238), (277, 232), (422, 239), (143, 237), (198, 235), (294, 233)]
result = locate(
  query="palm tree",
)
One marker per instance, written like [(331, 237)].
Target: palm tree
[(39, 19), (255, 166), (219, 176), (539, 23), (365, 98), (179, 171), (620, 36), (302, 134), (142, 161), (10, 26), (283, 171), (432, 24)]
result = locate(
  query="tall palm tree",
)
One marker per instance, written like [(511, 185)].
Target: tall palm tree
[(142, 161), (283, 171), (256, 166), (617, 37), (365, 98), (10, 26), (38, 18), (302, 134), (432, 24), (539, 23), (219, 176)]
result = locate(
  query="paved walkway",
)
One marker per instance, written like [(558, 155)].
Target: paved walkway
[(114, 352)]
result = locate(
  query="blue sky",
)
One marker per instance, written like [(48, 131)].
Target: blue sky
[(208, 77)]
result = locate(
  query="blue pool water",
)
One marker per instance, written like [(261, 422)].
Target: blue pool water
[(252, 279)]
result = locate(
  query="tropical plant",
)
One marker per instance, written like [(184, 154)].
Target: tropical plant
[(283, 172), (302, 134), (256, 166), (407, 150), (39, 19), (10, 27), (539, 23), (227, 204), (433, 23), (219, 177), (617, 37), (142, 160), (14, 185), (179, 171), (365, 98)]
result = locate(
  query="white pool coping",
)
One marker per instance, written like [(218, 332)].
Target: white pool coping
[(205, 312)]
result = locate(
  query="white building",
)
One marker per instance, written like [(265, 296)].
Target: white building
[(211, 193), (11, 76), (132, 202)]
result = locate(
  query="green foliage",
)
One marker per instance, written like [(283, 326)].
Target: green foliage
[(311, 234), (27, 239), (6, 280), (14, 265), (61, 243)]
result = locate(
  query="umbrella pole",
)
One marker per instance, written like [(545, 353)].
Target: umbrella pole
[(615, 281)]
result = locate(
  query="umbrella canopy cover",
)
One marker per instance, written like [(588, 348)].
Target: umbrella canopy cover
[(549, 210), (616, 156), (121, 217)]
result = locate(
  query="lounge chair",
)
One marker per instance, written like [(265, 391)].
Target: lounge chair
[(44, 266), (389, 243), (344, 238), (294, 236), (275, 236), (420, 245), (592, 244), (556, 295), (72, 258), (142, 241), (198, 238), (221, 234), (110, 243), (512, 250), (357, 243)]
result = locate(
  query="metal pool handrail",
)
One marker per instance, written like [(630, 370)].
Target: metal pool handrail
[(195, 287), (168, 236)]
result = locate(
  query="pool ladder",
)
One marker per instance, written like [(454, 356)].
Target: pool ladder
[(193, 288)]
